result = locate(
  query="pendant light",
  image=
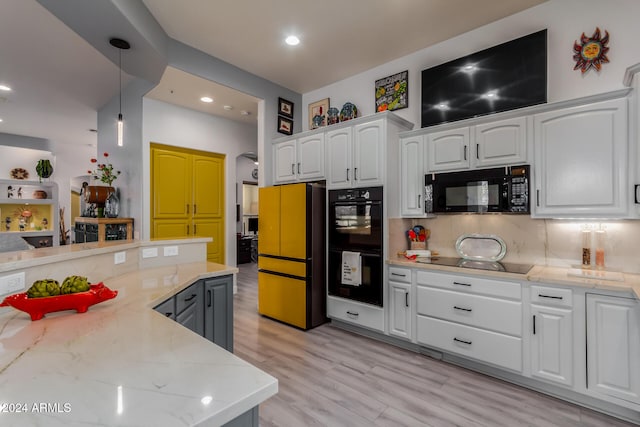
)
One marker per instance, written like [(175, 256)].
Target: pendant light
[(120, 45)]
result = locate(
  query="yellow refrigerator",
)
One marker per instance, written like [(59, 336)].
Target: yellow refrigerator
[(291, 248)]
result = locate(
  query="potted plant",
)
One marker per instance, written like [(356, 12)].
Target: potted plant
[(44, 169)]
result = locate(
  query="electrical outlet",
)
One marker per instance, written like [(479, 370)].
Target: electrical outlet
[(149, 252), (12, 283), (119, 257), (170, 251)]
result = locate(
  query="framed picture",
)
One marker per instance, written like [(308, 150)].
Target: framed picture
[(285, 125), (285, 108), (318, 113), (392, 93)]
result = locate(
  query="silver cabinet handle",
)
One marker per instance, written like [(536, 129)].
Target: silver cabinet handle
[(190, 298), (537, 197), (406, 299), (419, 196), (461, 284), (477, 151), (398, 274), (462, 341), (355, 174), (352, 314), (465, 152), (534, 324), (298, 168), (347, 174), (549, 296), (462, 308)]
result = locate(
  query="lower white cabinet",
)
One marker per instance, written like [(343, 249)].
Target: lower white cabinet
[(476, 318), (400, 302), (613, 349), (365, 315)]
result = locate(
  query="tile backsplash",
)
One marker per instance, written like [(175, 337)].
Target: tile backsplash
[(538, 241)]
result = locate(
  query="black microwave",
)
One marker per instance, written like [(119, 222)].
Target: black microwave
[(504, 190)]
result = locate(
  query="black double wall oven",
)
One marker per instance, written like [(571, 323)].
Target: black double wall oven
[(355, 225)]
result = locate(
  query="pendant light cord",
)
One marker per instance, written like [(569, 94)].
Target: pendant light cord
[(120, 74)]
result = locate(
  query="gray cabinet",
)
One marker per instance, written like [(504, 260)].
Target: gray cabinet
[(206, 308), (218, 311)]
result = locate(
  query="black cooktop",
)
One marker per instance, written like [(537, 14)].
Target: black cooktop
[(508, 267)]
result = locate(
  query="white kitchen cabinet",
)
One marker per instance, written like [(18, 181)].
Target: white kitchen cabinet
[(356, 313), (448, 150), (412, 176), (552, 340), (476, 318), (581, 164), (613, 349), (500, 143), (356, 155), (300, 159), (400, 311)]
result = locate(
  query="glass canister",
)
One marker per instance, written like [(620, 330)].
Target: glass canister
[(586, 246), (601, 237)]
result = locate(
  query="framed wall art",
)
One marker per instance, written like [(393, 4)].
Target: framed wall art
[(392, 93), (285, 108), (318, 113), (285, 125)]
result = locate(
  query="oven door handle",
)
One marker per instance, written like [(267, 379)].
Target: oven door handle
[(358, 203)]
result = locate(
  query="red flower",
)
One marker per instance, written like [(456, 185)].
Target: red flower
[(106, 154), (94, 160)]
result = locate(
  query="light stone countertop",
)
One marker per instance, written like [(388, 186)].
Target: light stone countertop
[(539, 274), (79, 364)]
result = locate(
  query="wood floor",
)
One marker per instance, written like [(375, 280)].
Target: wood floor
[(331, 377)]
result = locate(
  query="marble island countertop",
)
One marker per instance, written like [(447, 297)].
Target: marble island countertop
[(122, 363), (542, 274)]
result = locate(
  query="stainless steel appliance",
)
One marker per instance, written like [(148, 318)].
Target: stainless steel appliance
[(503, 190), (355, 225)]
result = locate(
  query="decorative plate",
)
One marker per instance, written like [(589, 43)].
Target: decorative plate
[(19, 173), (81, 301), (481, 247), (348, 112)]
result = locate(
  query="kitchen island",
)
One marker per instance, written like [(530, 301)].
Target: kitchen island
[(123, 363)]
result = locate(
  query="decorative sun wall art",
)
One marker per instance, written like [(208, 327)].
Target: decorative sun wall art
[(591, 52)]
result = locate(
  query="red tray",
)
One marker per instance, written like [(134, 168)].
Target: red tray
[(81, 301)]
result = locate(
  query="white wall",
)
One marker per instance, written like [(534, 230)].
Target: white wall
[(172, 125), (565, 21)]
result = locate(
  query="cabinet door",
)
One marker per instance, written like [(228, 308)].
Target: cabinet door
[(284, 161), (552, 344), (400, 310), (412, 177), (311, 157), (171, 184), (169, 228), (581, 160), (339, 153), (269, 220), (448, 150), (613, 347), (208, 186), (293, 221), (369, 154), (214, 228), (189, 319), (218, 311), (501, 143)]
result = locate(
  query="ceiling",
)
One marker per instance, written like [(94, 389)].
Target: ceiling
[(59, 80)]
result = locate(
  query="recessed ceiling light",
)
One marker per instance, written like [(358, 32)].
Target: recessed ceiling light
[(228, 107), (206, 99), (292, 40), (5, 88)]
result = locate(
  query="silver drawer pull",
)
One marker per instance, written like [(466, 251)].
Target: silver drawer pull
[(352, 314), (462, 341), (462, 309), (398, 274), (549, 296), (461, 284)]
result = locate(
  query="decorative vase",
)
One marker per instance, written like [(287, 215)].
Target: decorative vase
[(44, 169), (112, 205)]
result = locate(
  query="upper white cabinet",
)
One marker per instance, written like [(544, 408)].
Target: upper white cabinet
[(581, 161), (496, 143), (448, 150), (412, 176), (500, 143), (355, 155), (613, 349), (300, 159)]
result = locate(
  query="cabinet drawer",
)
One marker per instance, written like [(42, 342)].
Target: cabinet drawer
[(168, 308), (546, 295), (490, 347), (473, 285), (473, 310), (400, 274), (187, 297), (359, 314)]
